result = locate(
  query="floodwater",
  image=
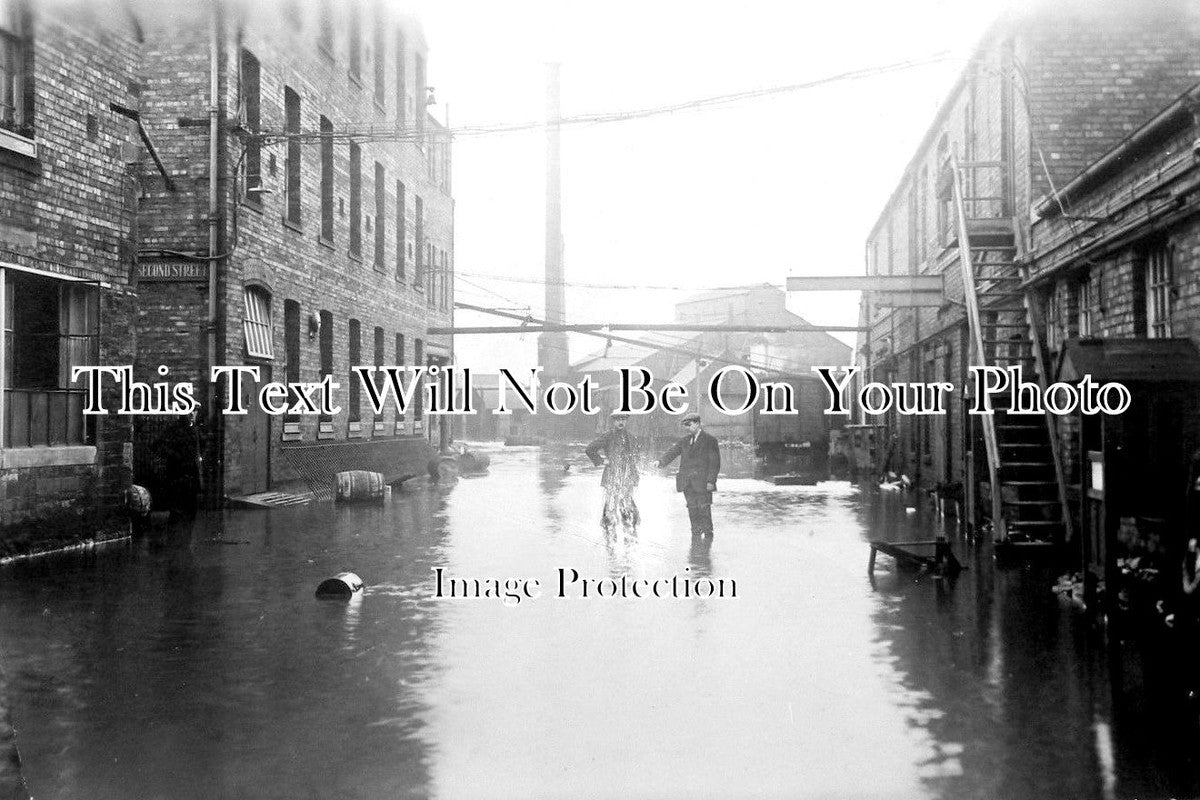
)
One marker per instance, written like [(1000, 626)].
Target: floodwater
[(199, 664)]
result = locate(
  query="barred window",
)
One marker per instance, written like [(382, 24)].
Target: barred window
[(1085, 306), (1054, 319), (258, 324), (1158, 293)]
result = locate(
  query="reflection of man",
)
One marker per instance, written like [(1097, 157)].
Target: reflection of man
[(699, 462), (620, 450)]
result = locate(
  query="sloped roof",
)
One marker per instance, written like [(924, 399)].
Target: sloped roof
[(1130, 360)]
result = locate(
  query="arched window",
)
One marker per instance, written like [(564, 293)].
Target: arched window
[(258, 323)]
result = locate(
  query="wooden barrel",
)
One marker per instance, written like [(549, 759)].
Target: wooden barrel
[(358, 485), (342, 585), (473, 462), (137, 500)]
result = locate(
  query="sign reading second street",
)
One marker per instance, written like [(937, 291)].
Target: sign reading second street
[(173, 271)]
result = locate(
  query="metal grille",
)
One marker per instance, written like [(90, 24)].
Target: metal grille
[(1158, 293), (1085, 307), (258, 324)]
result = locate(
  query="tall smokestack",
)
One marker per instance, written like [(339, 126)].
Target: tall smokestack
[(552, 347)]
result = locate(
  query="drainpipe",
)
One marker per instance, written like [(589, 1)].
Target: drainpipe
[(214, 122)]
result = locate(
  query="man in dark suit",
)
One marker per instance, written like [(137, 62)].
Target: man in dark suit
[(699, 462)]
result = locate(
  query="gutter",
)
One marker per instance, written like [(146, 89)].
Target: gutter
[(1171, 119)]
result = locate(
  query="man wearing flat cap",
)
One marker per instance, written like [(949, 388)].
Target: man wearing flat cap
[(699, 462), (620, 451)]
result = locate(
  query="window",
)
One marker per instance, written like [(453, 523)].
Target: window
[(380, 215), (419, 111), (1085, 306), (419, 220), (399, 349), (291, 346), (325, 27), (354, 25), (418, 361), (430, 273), (1158, 292), (400, 232), (355, 361), (326, 347), (1054, 319), (326, 179), (250, 102), (258, 323), (291, 106), (401, 100), (379, 377), (380, 59), (355, 199), (16, 77), (50, 326)]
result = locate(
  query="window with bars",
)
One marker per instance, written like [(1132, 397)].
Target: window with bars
[(1158, 292), (50, 326), (400, 231), (1054, 319), (1086, 301), (16, 95), (258, 323), (325, 27), (401, 100)]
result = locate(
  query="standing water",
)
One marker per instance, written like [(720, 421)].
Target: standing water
[(200, 665)]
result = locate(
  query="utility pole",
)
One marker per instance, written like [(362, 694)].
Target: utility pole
[(552, 346)]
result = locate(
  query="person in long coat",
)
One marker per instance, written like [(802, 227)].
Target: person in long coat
[(699, 463), (620, 459)]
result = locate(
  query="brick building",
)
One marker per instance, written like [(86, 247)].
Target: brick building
[(1114, 263), (66, 216), (304, 227), (1049, 89)]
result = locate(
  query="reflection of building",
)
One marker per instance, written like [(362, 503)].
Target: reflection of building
[(1048, 91), (327, 224), (66, 212)]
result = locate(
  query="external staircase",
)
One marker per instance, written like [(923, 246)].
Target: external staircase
[(1028, 501)]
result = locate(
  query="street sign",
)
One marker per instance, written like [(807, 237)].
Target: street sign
[(172, 271)]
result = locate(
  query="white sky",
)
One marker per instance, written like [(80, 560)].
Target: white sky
[(748, 193)]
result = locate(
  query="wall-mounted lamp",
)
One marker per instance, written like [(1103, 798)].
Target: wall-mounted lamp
[(430, 100), (314, 326)]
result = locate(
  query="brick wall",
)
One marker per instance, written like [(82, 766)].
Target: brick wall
[(292, 261), (69, 212)]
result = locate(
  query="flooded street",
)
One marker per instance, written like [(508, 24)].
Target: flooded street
[(199, 665)]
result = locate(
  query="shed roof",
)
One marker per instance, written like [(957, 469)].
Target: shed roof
[(1130, 360)]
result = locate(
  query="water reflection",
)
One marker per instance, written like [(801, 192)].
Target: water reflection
[(200, 665)]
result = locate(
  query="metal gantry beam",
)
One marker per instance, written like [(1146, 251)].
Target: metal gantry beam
[(672, 327)]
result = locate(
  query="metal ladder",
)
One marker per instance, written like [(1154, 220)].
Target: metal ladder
[(1028, 493)]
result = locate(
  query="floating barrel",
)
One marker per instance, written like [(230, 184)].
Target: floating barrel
[(137, 500), (343, 585), (358, 485), (473, 462), (443, 467)]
